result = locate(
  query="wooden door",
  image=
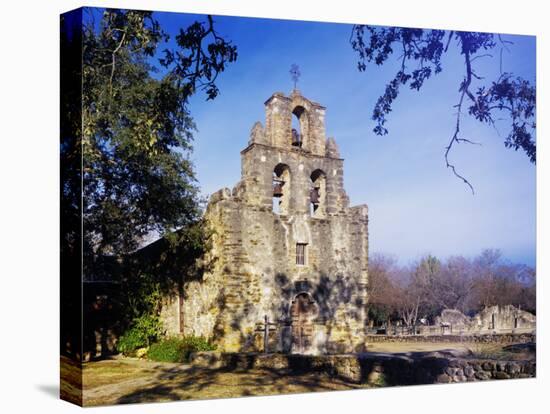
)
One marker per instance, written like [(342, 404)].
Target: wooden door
[(302, 313)]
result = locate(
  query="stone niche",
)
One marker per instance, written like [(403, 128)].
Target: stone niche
[(287, 245)]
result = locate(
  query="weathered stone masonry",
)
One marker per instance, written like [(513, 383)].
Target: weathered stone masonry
[(286, 245)]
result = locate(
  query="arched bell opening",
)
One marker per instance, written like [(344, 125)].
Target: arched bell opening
[(318, 194), (281, 189), (299, 127)]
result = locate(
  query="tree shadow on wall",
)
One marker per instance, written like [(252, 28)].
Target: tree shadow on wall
[(331, 294), (231, 317)]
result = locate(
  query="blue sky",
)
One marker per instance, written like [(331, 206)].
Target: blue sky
[(416, 205)]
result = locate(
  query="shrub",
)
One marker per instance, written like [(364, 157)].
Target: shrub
[(150, 326), (487, 351), (145, 329), (178, 349), (167, 350), (130, 341)]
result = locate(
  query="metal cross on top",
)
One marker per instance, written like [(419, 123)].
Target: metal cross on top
[(295, 73)]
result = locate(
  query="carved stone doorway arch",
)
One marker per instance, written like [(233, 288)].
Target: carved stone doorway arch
[(302, 312)]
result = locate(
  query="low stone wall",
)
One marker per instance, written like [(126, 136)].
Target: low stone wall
[(384, 370), (461, 370), (496, 338)]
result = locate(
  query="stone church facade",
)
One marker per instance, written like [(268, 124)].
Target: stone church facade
[(286, 246)]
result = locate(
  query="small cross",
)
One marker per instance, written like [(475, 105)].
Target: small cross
[(295, 73)]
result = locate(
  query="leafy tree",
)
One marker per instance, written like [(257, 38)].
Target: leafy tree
[(485, 100), (137, 126)]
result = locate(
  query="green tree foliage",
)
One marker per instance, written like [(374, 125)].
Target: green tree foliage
[(421, 53), (140, 305), (152, 272), (135, 338), (137, 126)]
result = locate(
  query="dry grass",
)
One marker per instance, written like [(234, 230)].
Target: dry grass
[(137, 381), (407, 347), (487, 351), (500, 352), (466, 349), (122, 381)]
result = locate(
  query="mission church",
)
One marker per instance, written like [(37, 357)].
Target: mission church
[(286, 246)]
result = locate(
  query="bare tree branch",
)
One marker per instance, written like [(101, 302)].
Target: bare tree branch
[(113, 62)]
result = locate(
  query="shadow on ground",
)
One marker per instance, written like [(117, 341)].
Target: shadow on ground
[(127, 381), (206, 383)]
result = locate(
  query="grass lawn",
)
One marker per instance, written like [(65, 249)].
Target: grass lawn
[(404, 347), (466, 349), (122, 381), (127, 380)]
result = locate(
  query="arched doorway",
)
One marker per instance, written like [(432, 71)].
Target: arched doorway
[(302, 312)]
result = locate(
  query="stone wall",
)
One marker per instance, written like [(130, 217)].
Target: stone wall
[(384, 370), (492, 318), (464, 370), (256, 274), (255, 271), (279, 112), (497, 338), (504, 317)]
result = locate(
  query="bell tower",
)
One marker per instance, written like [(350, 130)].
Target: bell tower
[(293, 170), (280, 110), (287, 244)]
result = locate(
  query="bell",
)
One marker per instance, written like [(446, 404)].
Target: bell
[(314, 195), (296, 138), (277, 189)]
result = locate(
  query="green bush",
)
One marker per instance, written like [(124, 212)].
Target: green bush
[(178, 349), (144, 330), (198, 343), (167, 350), (130, 341), (150, 326)]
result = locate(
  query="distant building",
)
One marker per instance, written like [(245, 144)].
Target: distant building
[(508, 317), (491, 319)]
